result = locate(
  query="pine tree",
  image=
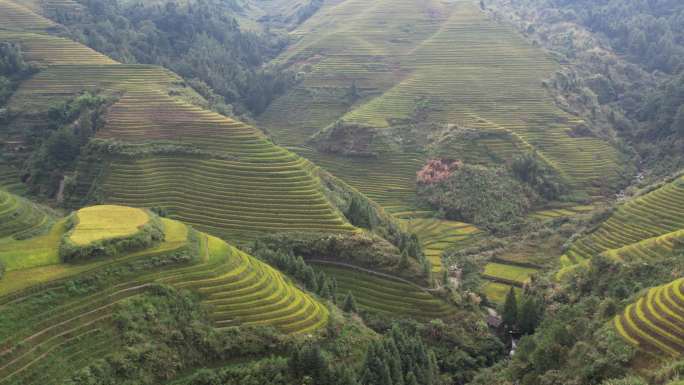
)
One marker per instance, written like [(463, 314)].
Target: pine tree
[(345, 376), (375, 368), (333, 290), (320, 281), (528, 315), (310, 279), (325, 292), (313, 362), (350, 304), (393, 360), (411, 379), (404, 261), (357, 214), (509, 317)]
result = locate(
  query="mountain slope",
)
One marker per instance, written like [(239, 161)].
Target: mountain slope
[(643, 228), (201, 159), (419, 71), (44, 320)]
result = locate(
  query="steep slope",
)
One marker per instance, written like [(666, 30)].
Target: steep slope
[(385, 295), (655, 322), (218, 174), (420, 69), (238, 290), (644, 228), (18, 216)]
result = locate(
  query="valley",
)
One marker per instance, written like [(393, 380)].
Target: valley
[(339, 192)]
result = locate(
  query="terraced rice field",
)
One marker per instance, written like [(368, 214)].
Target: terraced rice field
[(103, 222), (384, 295), (54, 341), (43, 50), (19, 216), (563, 212), (241, 290), (232, 181), (655, 323), (436, 236), (17, 17), (637, 229), (496, 292), (58, 82), (511, 274), (10, 180), (471, 71)]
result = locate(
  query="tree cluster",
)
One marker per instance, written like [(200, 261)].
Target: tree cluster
[(72, 124), (399, 359), (13, 68), (297, 268), (200, 40)]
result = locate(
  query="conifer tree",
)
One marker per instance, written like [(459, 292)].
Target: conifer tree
[(350, 304), (411, 379), (404, 261), (320, 281), (325, 292), (375, 368), (333, 290), (509, 316), (310, 279), (393, 360), (528, 315)]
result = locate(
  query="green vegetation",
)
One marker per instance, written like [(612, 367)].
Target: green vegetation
[(637, 230), (20, 218), (221, 60), (624, 76), (13, 68), (430, 70), (80, 305), (386, 295), (654, 323), (437, 235), (489, 198), (516, 275)]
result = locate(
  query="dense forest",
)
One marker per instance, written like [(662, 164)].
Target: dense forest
[(200, 40)]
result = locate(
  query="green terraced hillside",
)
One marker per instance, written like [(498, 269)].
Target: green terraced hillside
[(42, 50), (385, 295), (18, 17), (655, 323), (436, 236), (228, 178), (68, 329), (18, 216), (463, 68), (639, 229)]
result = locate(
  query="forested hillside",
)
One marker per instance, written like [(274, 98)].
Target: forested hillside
[(200, 40), (627, 67)]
